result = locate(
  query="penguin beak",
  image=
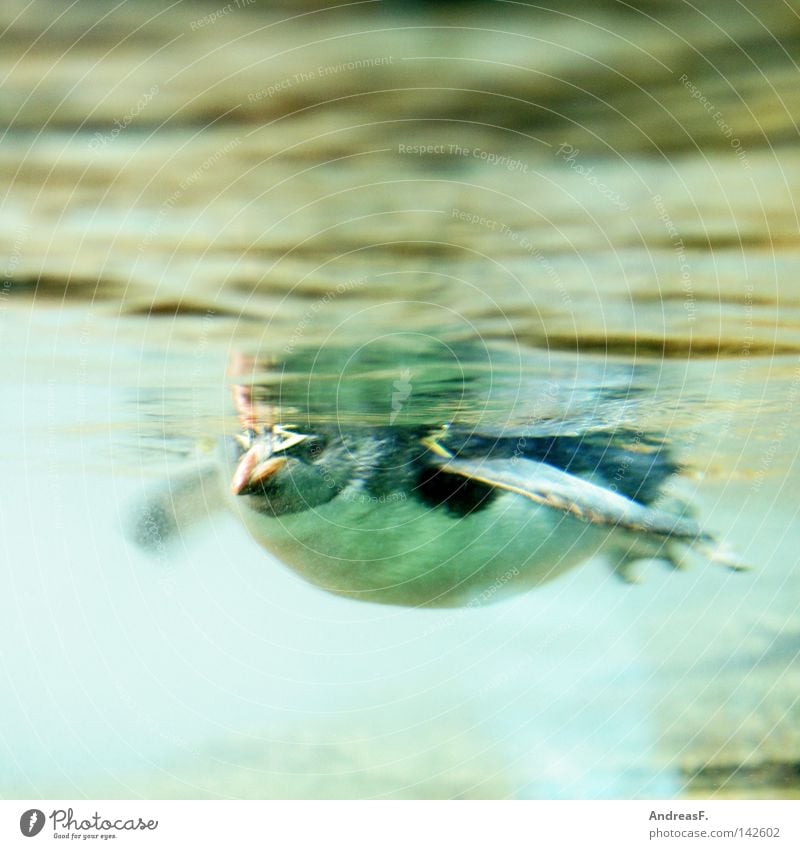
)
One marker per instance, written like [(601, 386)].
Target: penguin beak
[(259, 463), (255, 468)]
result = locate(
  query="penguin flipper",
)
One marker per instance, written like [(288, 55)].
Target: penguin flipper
[(172, 508), (560, 490)]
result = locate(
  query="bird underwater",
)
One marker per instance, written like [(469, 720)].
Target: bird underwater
[(446, 513)]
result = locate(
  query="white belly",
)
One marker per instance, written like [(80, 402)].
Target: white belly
[(402, 552)]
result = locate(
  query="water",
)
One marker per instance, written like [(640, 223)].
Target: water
[(207, 668), (556, 235)]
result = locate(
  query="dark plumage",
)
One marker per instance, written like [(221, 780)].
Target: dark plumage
[(637, 465)]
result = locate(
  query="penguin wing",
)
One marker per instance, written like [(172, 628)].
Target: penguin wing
[(553, 487), (172, 508)]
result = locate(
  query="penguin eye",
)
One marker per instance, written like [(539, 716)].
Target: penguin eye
[(309, 450)]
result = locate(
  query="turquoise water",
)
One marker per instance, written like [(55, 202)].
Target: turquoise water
[(209, 669)]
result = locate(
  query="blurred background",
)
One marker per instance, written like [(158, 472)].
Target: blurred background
[(605, 184)]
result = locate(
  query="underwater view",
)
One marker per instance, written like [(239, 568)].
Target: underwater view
[(400, 402)]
